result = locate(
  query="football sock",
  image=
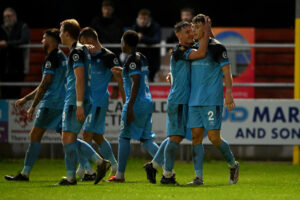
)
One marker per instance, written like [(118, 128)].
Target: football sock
[(83, 161), (170, 155), (123, 154), (159, 156), (168, 174), (119, 175), (198, 156), (30, 157), (150, 146), (106, 152), (87, 151), (226, 152), (71, 155)]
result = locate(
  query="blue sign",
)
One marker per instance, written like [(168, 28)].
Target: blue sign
[(3, 121)]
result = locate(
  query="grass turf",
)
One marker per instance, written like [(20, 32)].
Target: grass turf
[(257, 181)]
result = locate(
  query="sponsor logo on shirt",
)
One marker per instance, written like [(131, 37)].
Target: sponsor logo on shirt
[(75, 57), (48, 65), (132, 65), (145, 68), (116, 62), (224, 54)]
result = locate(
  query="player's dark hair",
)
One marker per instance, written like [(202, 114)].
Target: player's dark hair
[(188, 9), (180, 25), (199, 18), (108, 3), (72, 27), (131, 38), (89, 32), (54, 33), (145, 12)]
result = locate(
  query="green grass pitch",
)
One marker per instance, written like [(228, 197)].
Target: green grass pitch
[(257, 181)]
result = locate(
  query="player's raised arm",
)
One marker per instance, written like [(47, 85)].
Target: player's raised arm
[(229, 102), (79, 86), (201, 29), (41, 90)]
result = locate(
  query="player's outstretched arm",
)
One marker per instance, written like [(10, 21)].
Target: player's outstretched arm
[(229, 102), (134, 92), (20, 102), (118, 77), (79, 87), (39, 94), (201, 51)]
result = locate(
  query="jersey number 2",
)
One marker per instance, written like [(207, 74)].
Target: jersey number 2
[(210, 115)]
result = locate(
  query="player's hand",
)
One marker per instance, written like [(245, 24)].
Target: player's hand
[(20, 103), (229, 102), (92, 49), (140, 35), (80, 114), (30, 113), (130, 114), (3, 44), (207, 25), (168, 78), (117, 70)]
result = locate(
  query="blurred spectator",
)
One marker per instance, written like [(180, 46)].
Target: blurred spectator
[(12, 34), (108, 26), (149, 33), (187, 15)]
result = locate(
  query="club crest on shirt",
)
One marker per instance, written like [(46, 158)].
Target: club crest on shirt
[(75, 57), (47, 64), (224, 54), (116, 62), (132, 65)]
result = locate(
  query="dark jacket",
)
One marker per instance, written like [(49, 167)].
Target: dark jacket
[(12, 57), (109, 30), (151, 35)]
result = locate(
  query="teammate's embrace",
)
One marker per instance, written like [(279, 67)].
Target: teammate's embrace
[(51, 94), (177, 103)]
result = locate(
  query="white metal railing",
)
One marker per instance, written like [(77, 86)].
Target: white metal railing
[(163, 45)]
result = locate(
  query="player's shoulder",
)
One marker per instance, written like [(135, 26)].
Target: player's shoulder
[(77, 48), (61, 54), (109, 57), (52, 59), (107, 54), (133, 60), (179, 51), (215, 45), (217, 50)]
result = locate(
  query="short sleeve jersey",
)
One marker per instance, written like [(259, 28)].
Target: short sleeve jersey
[(207, 76), (136, 63), (180, 68), (79, 56), (102, 62), (56, 64)]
